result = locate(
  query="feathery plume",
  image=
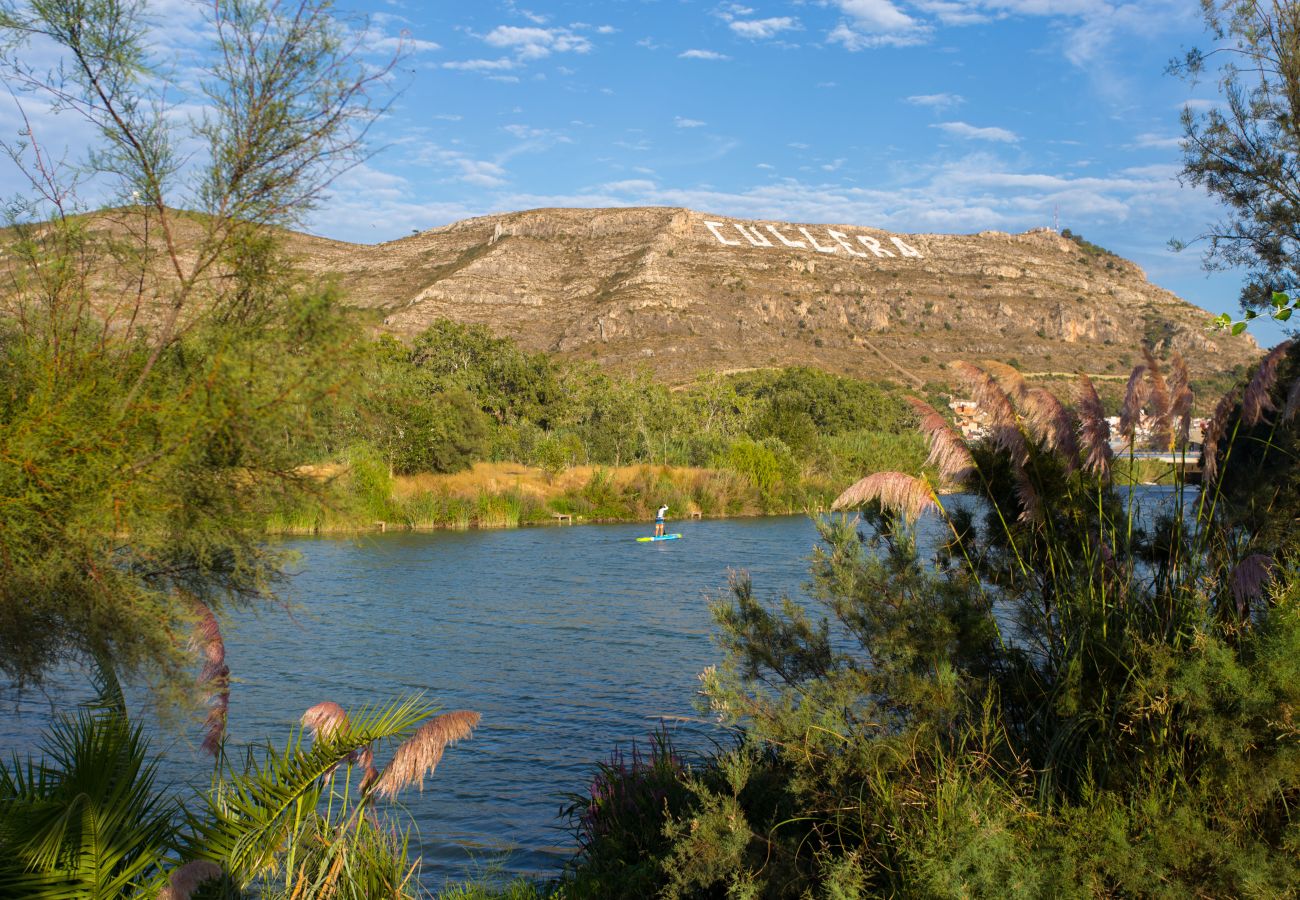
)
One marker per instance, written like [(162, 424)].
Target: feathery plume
[(1292, 401), (1095, 428), (901, 494), (1214, 433), (1161, 403), (993, 400), (1135, 397), (1182, 414), (184, 880), (1179, 376), (422, 752), (214, 680), (1009, 378), (948, 452), (323, 719), (1248, 579), (1256, 401), (1006, 432), (366, 762), (1180, 388), (1052, 424)]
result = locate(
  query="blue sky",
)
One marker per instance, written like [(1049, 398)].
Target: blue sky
[(907, 115)]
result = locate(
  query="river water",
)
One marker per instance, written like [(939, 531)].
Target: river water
[(569, 640)]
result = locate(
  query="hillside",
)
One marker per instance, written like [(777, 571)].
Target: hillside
[(684, 291)]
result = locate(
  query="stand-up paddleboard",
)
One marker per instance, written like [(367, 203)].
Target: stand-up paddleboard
[(662, 537)]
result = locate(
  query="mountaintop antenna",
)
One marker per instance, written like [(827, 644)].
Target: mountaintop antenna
[(1056, 217)]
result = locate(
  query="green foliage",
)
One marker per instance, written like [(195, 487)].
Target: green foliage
[(619, 822), (87, 820), (1244, 152), (1086, 246), (160, 368), (1260, 485), (1072, 698)]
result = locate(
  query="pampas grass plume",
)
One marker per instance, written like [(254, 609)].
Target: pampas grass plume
[(1248, 579), (948, 452), (1009, 378), (214, 680), (1256, 401), (185, 879), (1214, 433), (1161, 403), (422, 751), (323, 719), (1135, 398), (1095, 428), (993, 400), (1292, 401), (897, 492), (1052, 423)]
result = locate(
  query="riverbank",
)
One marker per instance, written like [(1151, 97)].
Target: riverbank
[(362, 496)]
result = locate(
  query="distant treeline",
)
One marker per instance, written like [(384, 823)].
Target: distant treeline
[(456, 395)]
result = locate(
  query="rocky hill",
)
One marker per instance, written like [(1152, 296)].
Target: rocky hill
[(683, 291)]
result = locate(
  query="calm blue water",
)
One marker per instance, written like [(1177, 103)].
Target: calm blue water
[(568, 640)]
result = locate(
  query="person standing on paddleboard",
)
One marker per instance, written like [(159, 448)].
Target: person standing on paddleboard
[(659, 520)]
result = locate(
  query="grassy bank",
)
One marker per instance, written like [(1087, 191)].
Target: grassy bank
[(363, 496)]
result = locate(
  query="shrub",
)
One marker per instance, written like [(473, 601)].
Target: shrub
[(1074, 697)]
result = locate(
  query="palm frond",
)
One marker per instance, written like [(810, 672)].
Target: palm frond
[(86, 820), (248, 822)]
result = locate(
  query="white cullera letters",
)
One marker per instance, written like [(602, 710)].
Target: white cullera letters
[(906, 250), (874, 246), (842, 239), (754, 236), (716, 228), (799, 245), (813, 243)]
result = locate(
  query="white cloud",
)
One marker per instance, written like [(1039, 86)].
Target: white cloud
[(688, 123), (537, 43), (480, 65), (937, 101), (1153, 141), (876, 15), (703, 54), (762, 29), (480, 173), (976, 133), (633, 185)]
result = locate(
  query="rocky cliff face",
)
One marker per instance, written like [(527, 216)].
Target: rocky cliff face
[(684, 292)]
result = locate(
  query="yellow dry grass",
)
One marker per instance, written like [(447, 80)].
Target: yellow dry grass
[(499, 477)]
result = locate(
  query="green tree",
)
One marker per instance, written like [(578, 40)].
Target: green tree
[(160, 366), (1247, 153)]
